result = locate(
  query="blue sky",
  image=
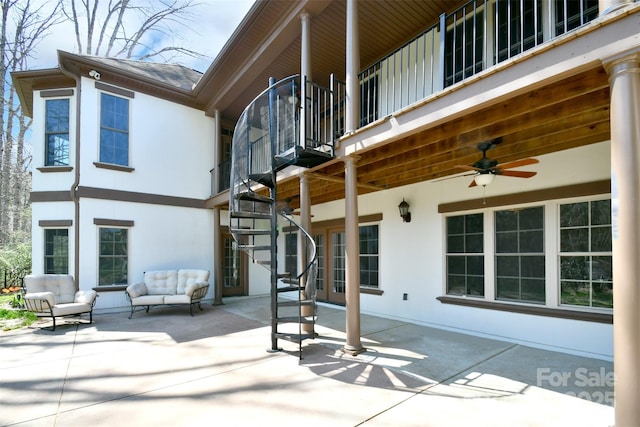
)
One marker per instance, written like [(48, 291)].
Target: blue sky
[(209, 28)]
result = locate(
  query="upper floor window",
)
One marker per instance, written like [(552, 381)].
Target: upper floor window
[(57, 132), (586, 273), (465, 255), (56, 251), (464, 44), (573, 14), (114, 130), (519, 27)]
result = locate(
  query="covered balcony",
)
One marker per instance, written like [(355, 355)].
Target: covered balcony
[(411, 64)]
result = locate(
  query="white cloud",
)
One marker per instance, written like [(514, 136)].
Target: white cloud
[(211, 24)]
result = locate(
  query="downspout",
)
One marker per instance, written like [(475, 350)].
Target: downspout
[(73, 191)]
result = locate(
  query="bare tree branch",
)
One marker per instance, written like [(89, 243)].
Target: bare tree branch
[(22, 27), (119, 7), (172, 49), (118, 38)]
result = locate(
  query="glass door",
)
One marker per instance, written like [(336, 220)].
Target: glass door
[(331, 279), (234, 269)]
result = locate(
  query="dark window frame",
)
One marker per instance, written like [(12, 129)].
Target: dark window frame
[(113, 130), (57, 132), (528, 259), (585, 266), (56, 251), (466, 256), (108, 261)]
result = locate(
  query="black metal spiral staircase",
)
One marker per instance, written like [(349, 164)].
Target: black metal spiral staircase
[(267, 139)]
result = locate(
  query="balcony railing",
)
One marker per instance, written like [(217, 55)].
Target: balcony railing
[(224, 177), (478, 35)]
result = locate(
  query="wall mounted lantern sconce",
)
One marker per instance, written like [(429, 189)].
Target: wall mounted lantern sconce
[(404, 211)]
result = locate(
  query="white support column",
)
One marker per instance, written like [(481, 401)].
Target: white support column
[(305, 204), (305, 223), (218, 258), (608, 6), (624, 80), (217, 153), (352, 258), (305, 73), (352, 108)]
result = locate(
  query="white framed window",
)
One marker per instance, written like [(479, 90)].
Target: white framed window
[(113, 256), (114, 130), (291, 252), (369, 256), (555, 254), (465, 255), (56, 251), (520, 255), (585, 257), (56, 133)]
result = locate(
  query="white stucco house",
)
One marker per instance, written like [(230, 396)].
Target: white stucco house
[(132, 162)]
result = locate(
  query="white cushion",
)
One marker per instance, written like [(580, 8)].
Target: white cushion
[(43, 296), (148, 300), (61, 285), (161, 282), (136, 290), (71, 308), (188, 291), (188, 277), (85, 297), (177, 299)]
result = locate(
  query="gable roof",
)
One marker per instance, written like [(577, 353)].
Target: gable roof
[(172, 82), (174, 75)]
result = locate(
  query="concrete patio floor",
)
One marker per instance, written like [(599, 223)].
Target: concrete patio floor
[(166, 368)]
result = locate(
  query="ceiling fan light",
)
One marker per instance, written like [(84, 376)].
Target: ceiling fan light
[(484, 179)]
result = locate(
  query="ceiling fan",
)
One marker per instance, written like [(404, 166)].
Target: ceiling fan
[(486, 169)]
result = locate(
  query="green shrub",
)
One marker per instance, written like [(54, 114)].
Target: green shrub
[(15, 262)]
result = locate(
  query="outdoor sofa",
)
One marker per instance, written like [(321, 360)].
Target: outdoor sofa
[(55, 295), (169, 287)]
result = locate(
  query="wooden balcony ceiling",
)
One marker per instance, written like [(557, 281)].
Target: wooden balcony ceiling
[(566, 114), (242, 70), (562, 115)]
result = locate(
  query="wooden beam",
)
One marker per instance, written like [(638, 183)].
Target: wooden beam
[(471, 129), (340, 180)]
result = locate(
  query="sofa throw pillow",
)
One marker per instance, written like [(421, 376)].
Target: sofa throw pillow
[(137, 290)]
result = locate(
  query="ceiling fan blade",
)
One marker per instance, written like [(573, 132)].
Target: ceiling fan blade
[(469, 168), (445, 178), (518, 163), (517, 174)]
